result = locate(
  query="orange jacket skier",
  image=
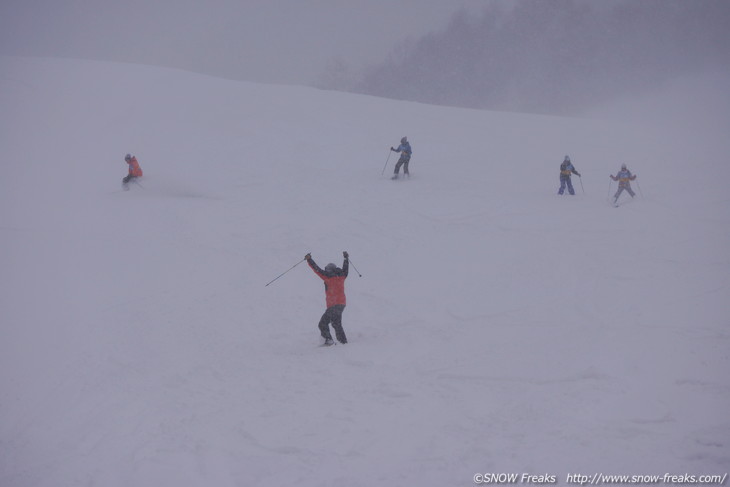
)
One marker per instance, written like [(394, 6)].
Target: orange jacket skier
[(334, 288), (134, 170)]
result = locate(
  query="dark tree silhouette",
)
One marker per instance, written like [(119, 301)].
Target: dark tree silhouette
[(556, 56)]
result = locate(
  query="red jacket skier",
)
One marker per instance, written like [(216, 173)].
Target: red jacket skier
[(334, 288), (134, 170)]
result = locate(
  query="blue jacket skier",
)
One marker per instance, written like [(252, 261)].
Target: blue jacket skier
[(566, 169), (405, 156), (623, 177)]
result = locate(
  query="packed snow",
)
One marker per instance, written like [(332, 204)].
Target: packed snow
[(497, 327)]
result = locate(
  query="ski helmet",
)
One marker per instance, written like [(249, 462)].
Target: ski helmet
[(567, 158), (623, 166), (128, 157), (330, 268), (404, 140)]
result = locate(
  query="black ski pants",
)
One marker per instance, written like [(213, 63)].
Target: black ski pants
[(333, 315), (126, 179)]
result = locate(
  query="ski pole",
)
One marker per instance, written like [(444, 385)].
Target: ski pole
[(353, 266), (640, 192), (386, 163), (609, 189), (581, 184), (137, 183), (292, 267)]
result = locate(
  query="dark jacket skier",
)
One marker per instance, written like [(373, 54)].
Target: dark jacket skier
[(405, 156), (334, 288), (566, 169), (623, 177)]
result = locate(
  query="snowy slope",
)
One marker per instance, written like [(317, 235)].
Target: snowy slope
[(496, 327)]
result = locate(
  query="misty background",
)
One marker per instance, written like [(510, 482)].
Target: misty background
[(557, 56)]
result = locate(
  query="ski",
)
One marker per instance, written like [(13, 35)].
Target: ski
[(616, 204)]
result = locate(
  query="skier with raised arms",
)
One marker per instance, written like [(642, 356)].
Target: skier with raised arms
[(334, 288)]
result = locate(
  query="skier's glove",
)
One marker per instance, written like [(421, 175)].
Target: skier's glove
[(345, 255), (578, 174), (308, 257), (392, 149)]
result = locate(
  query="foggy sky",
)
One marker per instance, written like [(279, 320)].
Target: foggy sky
[(281, 41), (406, 49)]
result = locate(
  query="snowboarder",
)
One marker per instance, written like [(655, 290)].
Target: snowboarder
[(134, 171), (334, 288), (405, 149), (623, 177), (566, 169)]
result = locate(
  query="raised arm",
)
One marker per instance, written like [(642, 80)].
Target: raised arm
[(314, 266)]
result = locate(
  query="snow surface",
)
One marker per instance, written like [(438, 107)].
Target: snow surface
[(496, 327)]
